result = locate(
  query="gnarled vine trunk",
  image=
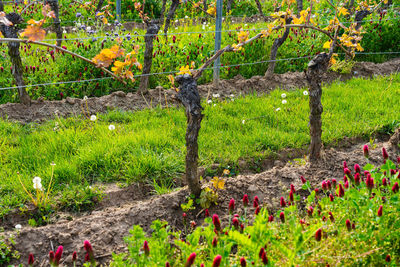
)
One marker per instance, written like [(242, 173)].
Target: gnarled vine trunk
[(274, 49), (229, 6), (360, 15), (190, 98), (152, 30), (57, 24), (316, 68), (99, 6), (299, 6), (259, 8), (171, 12), (15, 57), (205, 5), (1, 6)]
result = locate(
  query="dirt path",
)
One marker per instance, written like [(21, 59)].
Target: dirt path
[(43, 110), (105, 228)]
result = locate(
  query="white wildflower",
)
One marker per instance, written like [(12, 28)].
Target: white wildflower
[(111, 127), (176, 21), (209, 101), (186, 17), (278, 109), (38, 186), (215, 105), (284, 101), (305, 92), (52, 163), (85, 98), (243, 121), (283, 95), (37, 180), (93, 118), (18, 226), (216, 95), (231, 95)]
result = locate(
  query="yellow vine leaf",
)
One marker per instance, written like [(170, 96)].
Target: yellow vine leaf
[(343, 11), (118, 67), (106, 56), (327, 45), (212, 11), (236, 47), (359, 47), (243, 36), (171, 79), (184, 70), (218, 183)]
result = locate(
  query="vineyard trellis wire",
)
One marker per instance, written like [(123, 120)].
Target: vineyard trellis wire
[(182, 33), (174, 72)]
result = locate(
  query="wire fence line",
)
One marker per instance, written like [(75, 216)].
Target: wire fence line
[(173, 33), (174, 72)]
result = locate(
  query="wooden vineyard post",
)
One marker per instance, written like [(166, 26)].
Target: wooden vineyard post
[(190, 98), (57, 24), (275, 46), (15, 57), (316, 68), (152, 30)]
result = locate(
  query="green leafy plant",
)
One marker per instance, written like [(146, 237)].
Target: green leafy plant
[(347, 223), (7, 252)]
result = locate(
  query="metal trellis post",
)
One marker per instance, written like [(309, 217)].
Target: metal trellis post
[(119, 10), (218, 29)]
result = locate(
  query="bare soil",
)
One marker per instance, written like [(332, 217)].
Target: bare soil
[(123, 208), (41, 110)]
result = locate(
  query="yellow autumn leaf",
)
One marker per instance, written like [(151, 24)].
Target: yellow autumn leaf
[(343, 11), (236, 47), (327, 44), (243, 36), (118, 67), (359, 47), (332, 61), (218, 183), (212, 11), (171, 79), (298, 20), (184, 70), (226, 172), (129, 75)]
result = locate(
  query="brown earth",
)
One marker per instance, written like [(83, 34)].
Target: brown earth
[(106, 227), (42, 110)]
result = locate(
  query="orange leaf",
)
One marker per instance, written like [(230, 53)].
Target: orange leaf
[(34, 33)]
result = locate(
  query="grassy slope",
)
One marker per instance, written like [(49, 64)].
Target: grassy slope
[(148, 145)]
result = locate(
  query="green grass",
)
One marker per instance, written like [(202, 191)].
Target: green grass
[(149, 147)]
